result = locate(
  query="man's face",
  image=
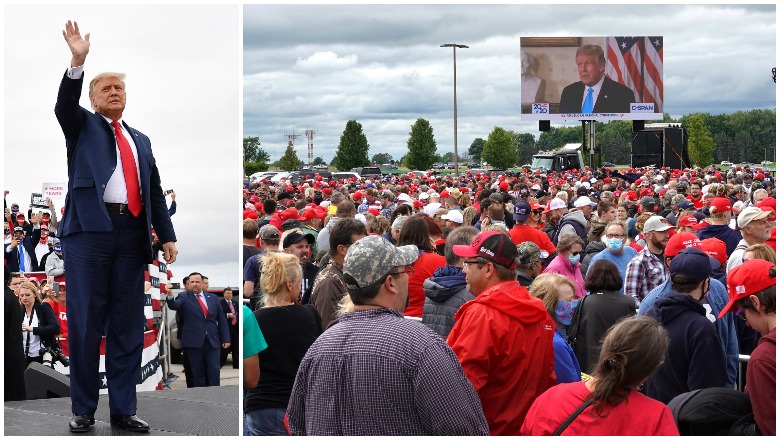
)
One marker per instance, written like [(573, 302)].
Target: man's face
[(401, 280), (300, 250), (695, 190), (204, 283), (759, 229), (14, 284), (525, 63), (195, 283), (228, 294), (475, 276), (610, 215), (109, 97), (758, 198), (659, 238), (587, 211), (589, 69), (18, 235)]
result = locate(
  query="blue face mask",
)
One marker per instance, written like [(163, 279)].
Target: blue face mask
[(58, 248), (574, 259), (564, 311), (614, 244)]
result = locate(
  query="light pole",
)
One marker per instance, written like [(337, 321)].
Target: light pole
[(455, 95)]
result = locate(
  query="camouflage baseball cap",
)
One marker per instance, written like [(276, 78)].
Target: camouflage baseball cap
[(370, 258), (528, 253)]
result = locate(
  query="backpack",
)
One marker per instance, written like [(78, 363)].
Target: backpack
[(713, 411)]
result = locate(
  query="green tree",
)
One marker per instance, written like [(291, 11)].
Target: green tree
[(254, 167), (475, 149), (613, 141), (700, 144), (252, 150), (447, 157), (353, 148), (290, 161), (381, 158), (499, 150), (318, 161), (421, 146), (525, 146), (558, 137), (255, 158)]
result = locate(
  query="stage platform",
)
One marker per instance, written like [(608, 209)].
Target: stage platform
[(193, 411)]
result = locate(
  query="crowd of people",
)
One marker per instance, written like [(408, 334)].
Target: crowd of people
[(506, 303)]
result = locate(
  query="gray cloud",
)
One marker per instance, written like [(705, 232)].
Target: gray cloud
[(382, 65)]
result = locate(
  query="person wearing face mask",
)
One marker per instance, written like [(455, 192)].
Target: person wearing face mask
[(713, 303), (557, 293), (55, 263), (567, 263), (617, 251), (695, 357)]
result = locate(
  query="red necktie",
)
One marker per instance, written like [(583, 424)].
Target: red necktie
[(130, 171), (203, 306), (233, 311)]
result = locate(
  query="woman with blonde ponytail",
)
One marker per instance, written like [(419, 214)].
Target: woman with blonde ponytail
[(289, 329), (610, 403)]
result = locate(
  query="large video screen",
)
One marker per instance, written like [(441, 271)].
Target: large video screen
[(591, 78)]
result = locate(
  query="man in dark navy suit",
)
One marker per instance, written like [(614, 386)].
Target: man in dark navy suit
[(230, 309), (205, 330), (20, 252), (594, 93), (114, 199)]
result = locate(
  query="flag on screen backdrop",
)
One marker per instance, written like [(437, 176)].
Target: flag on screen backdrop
[(637, 63)]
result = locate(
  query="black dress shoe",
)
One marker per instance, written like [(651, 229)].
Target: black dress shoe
[(81, 422), (129, 423)]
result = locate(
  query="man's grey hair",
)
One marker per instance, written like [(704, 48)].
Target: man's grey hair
[(462, 235), (336, 198), (399, 222)]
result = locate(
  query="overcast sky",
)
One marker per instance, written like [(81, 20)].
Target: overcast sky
[(183, 77), (317, 67)]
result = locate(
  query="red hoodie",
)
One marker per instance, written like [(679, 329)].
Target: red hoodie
[(504, 341)]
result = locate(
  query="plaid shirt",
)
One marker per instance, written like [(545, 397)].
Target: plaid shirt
[(644, 273), (376, 373)]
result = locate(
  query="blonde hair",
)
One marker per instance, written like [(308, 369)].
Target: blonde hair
[(31, 287), (99, 76), (545, 287), (278, 269), (468, 215)]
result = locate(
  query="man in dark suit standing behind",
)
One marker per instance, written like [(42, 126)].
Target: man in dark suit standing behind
[(114, 197), (230, 309), (594, 93), (204, 327)]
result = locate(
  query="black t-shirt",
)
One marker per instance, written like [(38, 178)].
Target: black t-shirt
[(289, 331), (249, 252)]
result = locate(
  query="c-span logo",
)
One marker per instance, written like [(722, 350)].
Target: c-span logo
[(642, 107)]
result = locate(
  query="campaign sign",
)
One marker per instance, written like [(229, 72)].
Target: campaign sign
[(38, 201), (54, 190)]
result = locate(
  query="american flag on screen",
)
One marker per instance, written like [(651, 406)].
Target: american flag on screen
[(637, 63)]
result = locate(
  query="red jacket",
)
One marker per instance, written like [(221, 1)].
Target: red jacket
[(504, 341), (424, 267)]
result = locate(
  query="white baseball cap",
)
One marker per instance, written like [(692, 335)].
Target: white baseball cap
[(453, 215)]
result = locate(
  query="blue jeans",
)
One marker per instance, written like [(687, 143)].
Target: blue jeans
[(267, 421)]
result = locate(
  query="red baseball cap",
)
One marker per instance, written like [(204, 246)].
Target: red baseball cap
[(309, 214), (720, 204), (492, 246), (691, 221), (248, 213), (289, 214), (747, 279), (358, 196), (680, 241), (715, 248)]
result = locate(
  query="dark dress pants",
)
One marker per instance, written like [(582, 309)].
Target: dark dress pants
[(105, 276)]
